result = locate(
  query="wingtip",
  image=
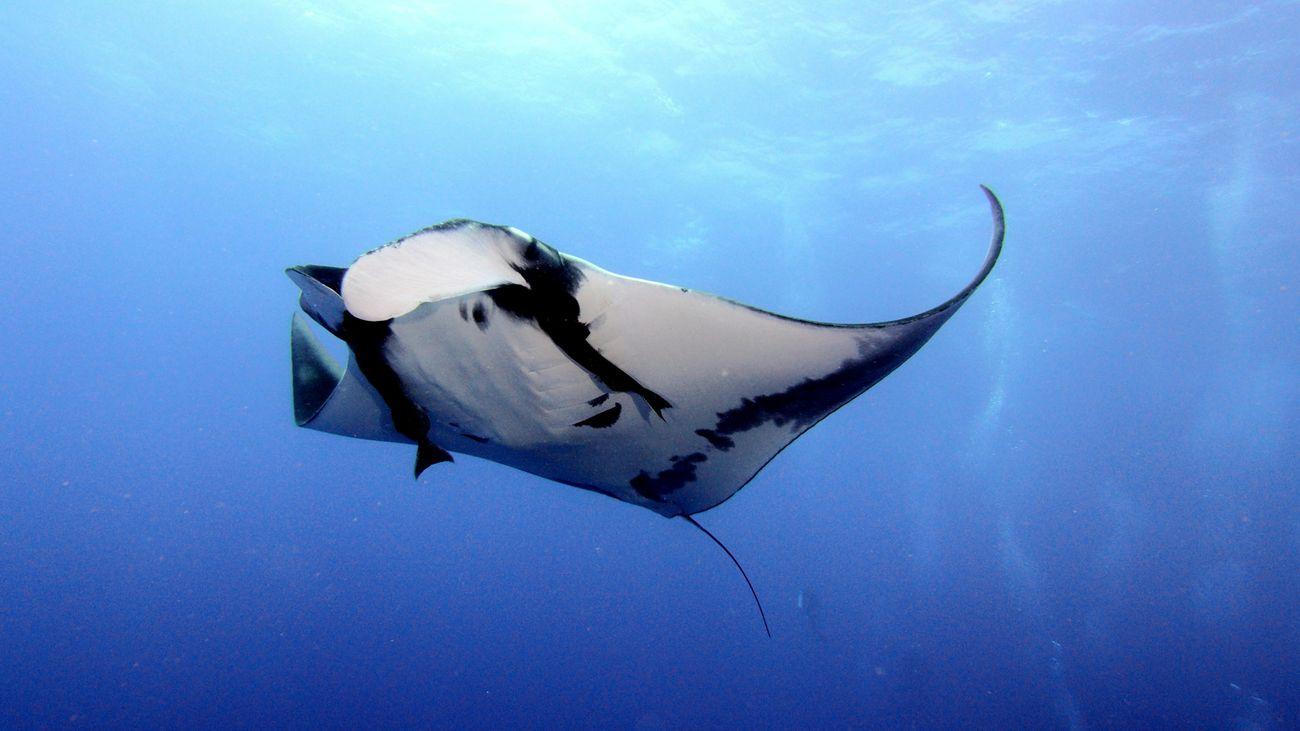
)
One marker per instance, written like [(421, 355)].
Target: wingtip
[(995, 241), (990, 259), (999, 220)]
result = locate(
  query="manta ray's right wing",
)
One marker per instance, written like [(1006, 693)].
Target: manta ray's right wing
[(744, 382)]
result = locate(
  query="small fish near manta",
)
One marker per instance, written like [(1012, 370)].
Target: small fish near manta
[(475, 338)]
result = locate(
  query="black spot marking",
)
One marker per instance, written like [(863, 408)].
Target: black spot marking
[(515, 300), (480, 316), (604, 419), (598, 400), (670, 480), (463, 306), (718, 441), (461, 430)]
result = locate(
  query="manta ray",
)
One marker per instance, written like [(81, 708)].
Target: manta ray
[(481, 339)]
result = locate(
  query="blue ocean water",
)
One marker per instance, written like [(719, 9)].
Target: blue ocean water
[(1076, 507)]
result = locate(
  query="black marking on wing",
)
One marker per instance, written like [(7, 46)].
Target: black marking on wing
[(718, 441), (604, 419), (804, 403), (366, 340), (515, 300), (480, 316), (463, 307), (598, 400), (677, 476), (548, 301), (467, 434)]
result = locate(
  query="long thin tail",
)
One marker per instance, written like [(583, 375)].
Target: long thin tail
[(730, 555)]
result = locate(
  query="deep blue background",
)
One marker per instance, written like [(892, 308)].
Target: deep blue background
[(1077, 507)]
